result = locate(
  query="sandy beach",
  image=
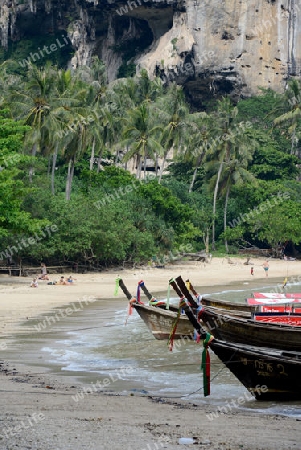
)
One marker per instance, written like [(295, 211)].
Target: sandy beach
[(39, 412)]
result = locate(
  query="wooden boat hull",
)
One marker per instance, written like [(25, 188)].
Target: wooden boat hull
[(216, 303), (232, 328), (160, 322), (264, 305), (268, 374)]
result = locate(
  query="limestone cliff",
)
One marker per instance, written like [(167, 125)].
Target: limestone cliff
[(211, 47)]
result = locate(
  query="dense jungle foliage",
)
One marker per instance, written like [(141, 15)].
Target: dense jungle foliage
[(103, 174)]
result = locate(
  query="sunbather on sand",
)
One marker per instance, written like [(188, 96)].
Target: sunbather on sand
[(62, 281)]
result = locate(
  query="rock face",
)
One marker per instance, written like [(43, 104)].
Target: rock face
[(212, 47)]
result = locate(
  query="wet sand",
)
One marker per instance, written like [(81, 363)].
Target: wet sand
[(38, 407)]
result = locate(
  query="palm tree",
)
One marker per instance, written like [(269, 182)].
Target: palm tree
[(60, 126), (147, 89), (105, 127), (31, 102), (235, 169), (228, 156), (219, 148), (141, 136), (79, 97), (199, 130), (292, 111), (173, 112)]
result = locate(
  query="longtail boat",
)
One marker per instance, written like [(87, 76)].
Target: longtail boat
[(275, 295), (262, 304), (250, 331), (158, 316), (217, 303), (268, 374), (224, 304), (161, 321), (281, 304)]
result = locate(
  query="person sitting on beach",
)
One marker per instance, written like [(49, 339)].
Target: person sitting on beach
[(43, 275), (70, 279), (62, 281), (34, 283)]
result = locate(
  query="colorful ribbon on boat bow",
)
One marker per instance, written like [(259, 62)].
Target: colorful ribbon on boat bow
[(116, 286), (130, 309), (155, 302), (206, 364), (138, 296)]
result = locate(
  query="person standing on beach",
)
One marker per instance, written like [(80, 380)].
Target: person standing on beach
[(265, 266), (44, 275)]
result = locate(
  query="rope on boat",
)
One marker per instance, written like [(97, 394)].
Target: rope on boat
[(130, 309)]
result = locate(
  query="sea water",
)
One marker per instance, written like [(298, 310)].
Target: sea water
[(107, 350)]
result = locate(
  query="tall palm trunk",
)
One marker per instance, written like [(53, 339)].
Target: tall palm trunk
[(162, 167), (33, 154), (214, 203), (70, 178), (293, 138), (48, 165), (99, 160), (92, 155), (138, 172), (206, 240), (195, 172), (156, 165), (54, 159), (225, 217), (144, 168)]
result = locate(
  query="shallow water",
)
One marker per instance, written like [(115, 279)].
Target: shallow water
[(95, 346)]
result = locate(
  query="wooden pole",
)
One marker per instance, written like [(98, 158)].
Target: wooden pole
[(189, 312), (124, 289), (182, 286)]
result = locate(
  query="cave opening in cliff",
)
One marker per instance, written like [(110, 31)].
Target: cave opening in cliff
[(37, 39), (207, 89), (132, 37)]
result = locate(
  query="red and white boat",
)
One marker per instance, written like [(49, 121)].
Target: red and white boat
[(277, 308), (275, 295), (293, 319), (280, 303)]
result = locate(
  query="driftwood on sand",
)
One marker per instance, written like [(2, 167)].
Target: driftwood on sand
[(198, 256)]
